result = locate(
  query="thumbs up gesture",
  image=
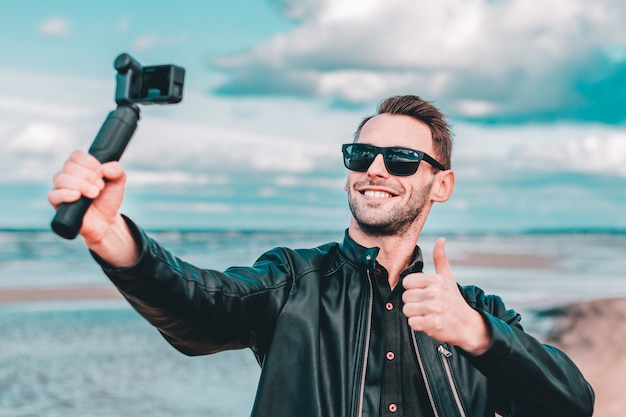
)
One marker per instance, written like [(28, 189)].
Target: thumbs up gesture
[(434, 305)]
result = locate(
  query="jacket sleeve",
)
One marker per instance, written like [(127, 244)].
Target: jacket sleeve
[(536, 379), (201, 311)]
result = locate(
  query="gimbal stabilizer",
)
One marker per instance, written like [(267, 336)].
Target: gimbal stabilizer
[(160, 84)]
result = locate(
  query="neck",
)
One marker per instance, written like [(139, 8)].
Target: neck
[(396, 251)]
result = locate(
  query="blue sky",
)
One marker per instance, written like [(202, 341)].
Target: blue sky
[(535, 90)]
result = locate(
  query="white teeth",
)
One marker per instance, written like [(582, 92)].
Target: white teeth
[(377, 194)]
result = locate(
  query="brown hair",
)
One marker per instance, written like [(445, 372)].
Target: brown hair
[(424, 111)]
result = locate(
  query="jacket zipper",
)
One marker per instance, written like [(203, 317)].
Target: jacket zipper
[(445, 354), (367, 343), (421, 365)]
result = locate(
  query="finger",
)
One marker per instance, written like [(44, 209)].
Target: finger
[(56, 197), (420, 281), (90, 173), (413, 281), (417, 323), (65, 181), (414, 295), (411, 309), (442, 266), (78, 179), (83, 158)]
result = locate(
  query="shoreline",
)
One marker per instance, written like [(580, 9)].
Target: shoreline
[(11, 295), (107, 291)]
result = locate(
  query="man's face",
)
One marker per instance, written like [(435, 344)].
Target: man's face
[(383, 204)]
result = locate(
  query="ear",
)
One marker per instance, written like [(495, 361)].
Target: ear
[(442, 186), (345, 186)]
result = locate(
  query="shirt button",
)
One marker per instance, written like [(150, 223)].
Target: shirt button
[(377, 271), (389, 306), (393, 408), (390, 356)]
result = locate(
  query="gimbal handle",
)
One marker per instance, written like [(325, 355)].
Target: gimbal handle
[(109, 144)]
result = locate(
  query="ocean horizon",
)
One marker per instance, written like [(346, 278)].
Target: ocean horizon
[(575, 264)]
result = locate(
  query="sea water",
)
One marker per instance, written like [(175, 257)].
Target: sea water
[(100, 358)]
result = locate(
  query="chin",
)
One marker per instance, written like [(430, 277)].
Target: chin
[(378, 229)]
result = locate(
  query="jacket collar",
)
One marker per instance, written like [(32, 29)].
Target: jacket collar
[(357, 254), (366, 257)]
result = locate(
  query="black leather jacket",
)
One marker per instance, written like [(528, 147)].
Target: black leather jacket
[(307, 314)]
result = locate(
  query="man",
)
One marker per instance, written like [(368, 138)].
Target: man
[(346, 329)]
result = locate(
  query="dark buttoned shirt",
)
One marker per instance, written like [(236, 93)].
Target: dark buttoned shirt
[(402, 388)]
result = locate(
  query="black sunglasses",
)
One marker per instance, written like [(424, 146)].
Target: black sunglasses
[(399, 161)]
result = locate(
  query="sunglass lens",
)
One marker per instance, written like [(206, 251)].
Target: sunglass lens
[(402, 162), (358, 158)]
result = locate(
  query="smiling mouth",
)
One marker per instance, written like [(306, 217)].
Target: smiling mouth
[(377, 194)]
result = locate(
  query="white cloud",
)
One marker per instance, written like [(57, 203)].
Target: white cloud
[(34, 107), (204, 140), (34, 151), (40, 138), (349, 9), (54, 26), (24, 95), (173, 177), (519, 58), (197, 147), (182, 144), (527, 150), (43, 118), (475, 107), (595, 154)]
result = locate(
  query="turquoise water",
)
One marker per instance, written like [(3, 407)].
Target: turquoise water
[(99, 358), (107, 362)]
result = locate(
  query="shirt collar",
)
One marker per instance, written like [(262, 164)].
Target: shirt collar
[(366, 257)]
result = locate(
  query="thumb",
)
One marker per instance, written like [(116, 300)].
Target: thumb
[(112, 193), (442, 267)]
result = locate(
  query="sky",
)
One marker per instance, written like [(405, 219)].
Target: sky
[(535, 91)]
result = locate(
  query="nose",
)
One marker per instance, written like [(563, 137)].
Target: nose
[(378, 169)]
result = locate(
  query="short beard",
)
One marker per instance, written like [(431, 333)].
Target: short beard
[(395, 222)]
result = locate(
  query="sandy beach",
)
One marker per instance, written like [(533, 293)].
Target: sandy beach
[(594, 335), (30, 294)]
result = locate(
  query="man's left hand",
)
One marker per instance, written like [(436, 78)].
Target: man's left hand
[(434, 305)]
